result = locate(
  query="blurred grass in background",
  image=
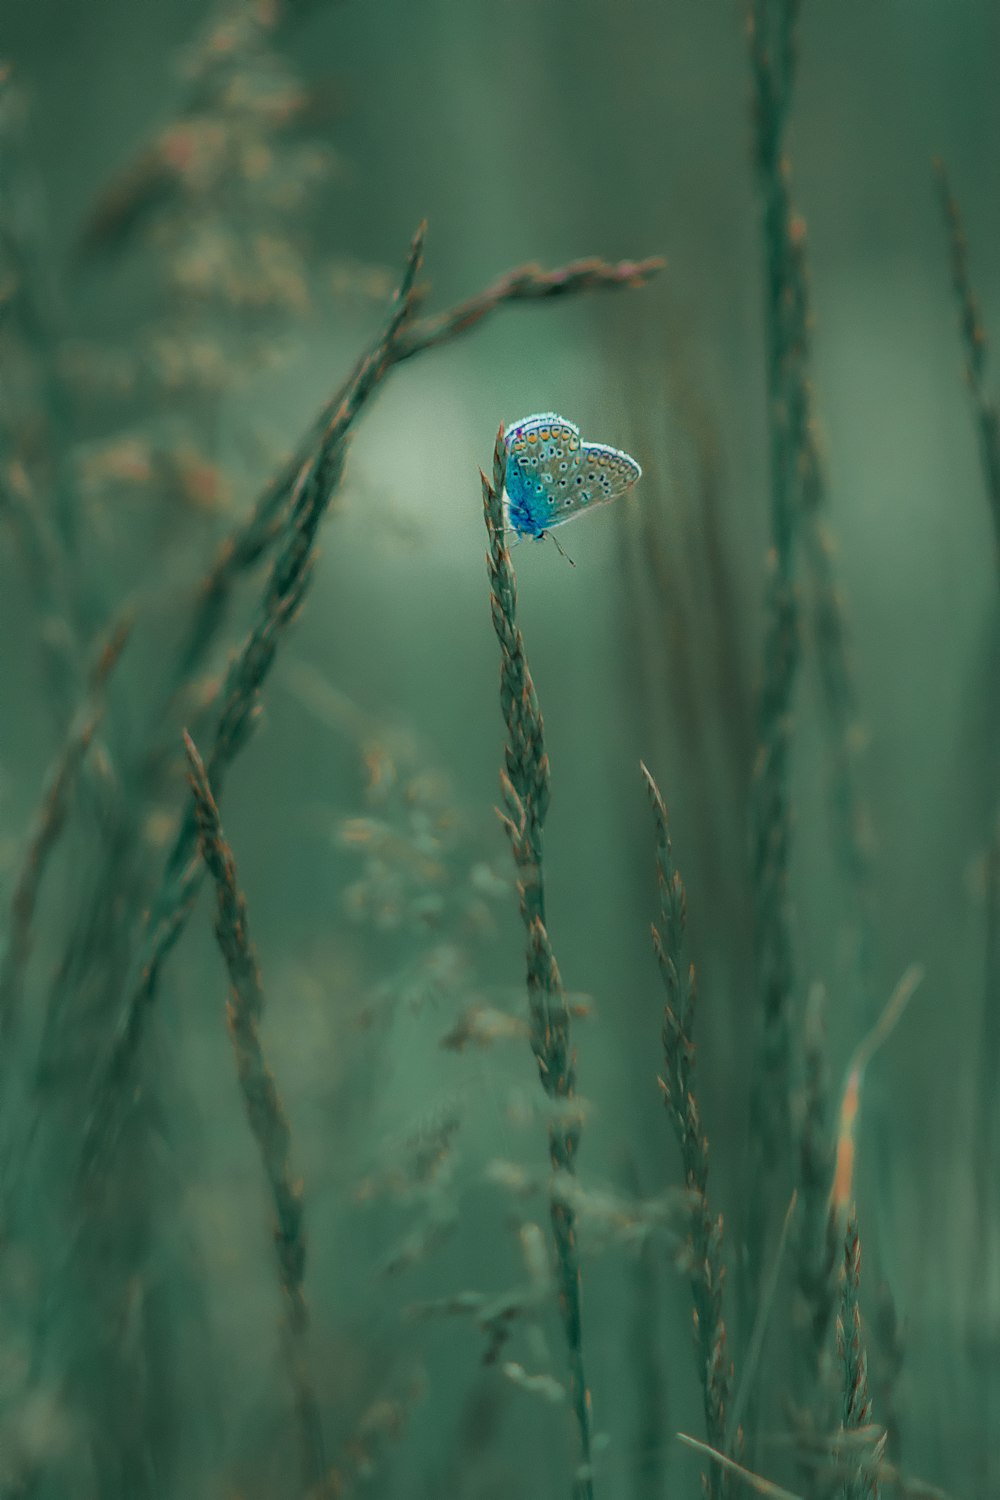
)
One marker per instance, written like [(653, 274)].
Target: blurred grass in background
[(793, 621)]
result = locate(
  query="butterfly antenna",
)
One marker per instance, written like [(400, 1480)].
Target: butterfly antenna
[(559, 548)]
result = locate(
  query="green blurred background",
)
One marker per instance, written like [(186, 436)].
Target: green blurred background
[(521, 132)]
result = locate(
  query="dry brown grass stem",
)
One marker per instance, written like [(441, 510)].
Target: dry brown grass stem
[(726, 1465), (828, 1232), (842, 1188)]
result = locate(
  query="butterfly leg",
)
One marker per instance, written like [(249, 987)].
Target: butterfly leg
[(559, 548)]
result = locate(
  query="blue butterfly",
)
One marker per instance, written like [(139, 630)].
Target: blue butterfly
[(552, 475)]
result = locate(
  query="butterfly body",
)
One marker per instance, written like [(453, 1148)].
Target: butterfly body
[(553, 475)]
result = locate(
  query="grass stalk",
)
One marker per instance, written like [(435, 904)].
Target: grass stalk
[(50, 531), (890, 1347), (857, 1403), (264, 1110), (975, 348), (282, 597), (679, 1096), (400, 340), (727, 1465), (646, 1359), (525, 787), (988, 1070), (48, 824), (840, 1237), (818, 1245), (771, 34), (288, 515), (819, 1248), (985, 1115), (798, 499), (46, 575)]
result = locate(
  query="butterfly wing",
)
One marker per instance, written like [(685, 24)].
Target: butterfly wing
[(595, 476), (552, 475), (540, 450)]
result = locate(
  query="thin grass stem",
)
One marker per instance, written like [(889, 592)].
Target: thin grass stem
[(264, 1110), (975, 348), (401, 340), (48, 824), (857, 1402), (282, 597), (798, 500), (525, 787), (678, 1088), (757, 1482)]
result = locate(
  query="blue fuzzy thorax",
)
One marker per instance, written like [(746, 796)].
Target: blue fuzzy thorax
[(529, 511)]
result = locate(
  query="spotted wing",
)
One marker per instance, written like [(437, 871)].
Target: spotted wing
[(553, 476), (540, 452), (595, 475)]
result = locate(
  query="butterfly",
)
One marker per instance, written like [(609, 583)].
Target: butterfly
[(553, 475)]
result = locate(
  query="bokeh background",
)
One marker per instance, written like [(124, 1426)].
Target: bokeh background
[(204, 211)]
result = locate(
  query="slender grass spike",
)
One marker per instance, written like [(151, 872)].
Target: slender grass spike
[(553, 475)]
